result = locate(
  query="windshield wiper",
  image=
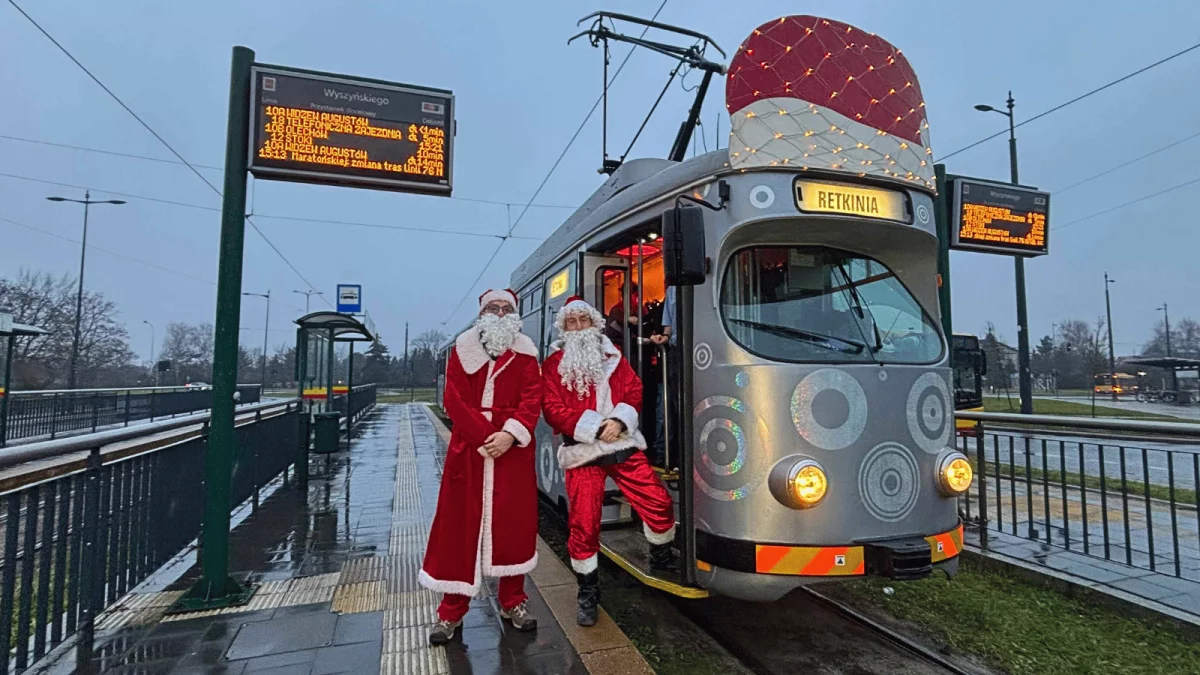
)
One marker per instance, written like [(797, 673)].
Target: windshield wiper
[(827, 341), (858, 309)]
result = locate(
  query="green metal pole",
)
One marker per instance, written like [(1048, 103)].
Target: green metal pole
[(303, 416), (941, 216), (215, 588), (349, 384), (329, 373), (6, 392)]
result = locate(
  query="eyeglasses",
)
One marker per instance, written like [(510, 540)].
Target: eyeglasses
[(499, 310)]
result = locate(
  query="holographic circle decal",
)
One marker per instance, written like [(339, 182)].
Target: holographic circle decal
[(546, 466), (723, 443), (889, 482), (762, 197), (741, 379), (829, 409), (929, 412), (702, 358)]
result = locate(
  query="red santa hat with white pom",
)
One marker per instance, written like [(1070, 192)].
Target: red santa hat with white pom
[(498, 294), (824, 95), (577, 305)]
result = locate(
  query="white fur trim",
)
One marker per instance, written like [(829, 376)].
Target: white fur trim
[(628, 416), (512, 570), (473, 356), (485, 523), (455, 587), (658, 537), (497, 294), (572, 456), (585, 566), (518, 432), (587, 426)]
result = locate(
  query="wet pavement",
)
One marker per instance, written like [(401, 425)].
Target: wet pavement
[(336, 575)]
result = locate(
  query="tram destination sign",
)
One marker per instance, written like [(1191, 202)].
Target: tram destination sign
[(998, 218), (340, 130)]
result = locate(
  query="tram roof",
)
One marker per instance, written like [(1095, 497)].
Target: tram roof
[(1169, 362), (632, 186)]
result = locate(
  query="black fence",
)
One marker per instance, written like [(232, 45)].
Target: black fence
[(1121, 491), (77, 542), (34, 414), (359, 400)]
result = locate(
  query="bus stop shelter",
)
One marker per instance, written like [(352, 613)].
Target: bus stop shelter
[(317, 335), (1172, 364), (9, 332)]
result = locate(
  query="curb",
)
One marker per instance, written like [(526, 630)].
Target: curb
[(604, 648)]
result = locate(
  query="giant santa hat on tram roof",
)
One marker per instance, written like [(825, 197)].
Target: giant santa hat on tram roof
[(822, 94)]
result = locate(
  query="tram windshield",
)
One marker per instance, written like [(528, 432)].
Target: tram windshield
[(808, 303)]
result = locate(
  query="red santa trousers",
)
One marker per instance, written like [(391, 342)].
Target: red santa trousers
[(585, 492), (512, 593)]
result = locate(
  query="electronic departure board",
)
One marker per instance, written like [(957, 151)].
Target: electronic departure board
[(332, 129), (999, 218)]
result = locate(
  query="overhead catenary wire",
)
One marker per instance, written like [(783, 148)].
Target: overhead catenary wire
[(1077, 99), (160, 139), (1126, 164), (550, 173), (1128, 203), (147, 158)]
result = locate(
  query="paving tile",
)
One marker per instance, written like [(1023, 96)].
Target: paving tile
[(604, 635), (620, 661), (550, 571), (352, 628), (287, 634), (560, 663), (273, 661), (1188, 602), (1143, 589), (362, 657), (477, 662)]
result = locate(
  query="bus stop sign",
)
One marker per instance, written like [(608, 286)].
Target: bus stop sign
[(349, 298)]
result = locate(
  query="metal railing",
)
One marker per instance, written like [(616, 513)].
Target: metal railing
[(33, 414), (1125, 491), (79, 536), (360, 399)]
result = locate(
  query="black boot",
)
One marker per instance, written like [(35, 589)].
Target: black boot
[(663, 558), (589, 598)]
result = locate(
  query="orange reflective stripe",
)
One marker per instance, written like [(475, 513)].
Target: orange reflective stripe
[(703, 566), (823, 562), (767, 557)]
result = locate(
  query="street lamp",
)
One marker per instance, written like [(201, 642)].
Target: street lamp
[(86, 201), (1167, 322), (153, 365), (1026, 384), (1112, 359), (307, 295), (266, 327)]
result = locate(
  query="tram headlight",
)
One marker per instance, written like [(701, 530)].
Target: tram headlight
[(807, 483), (954, 474)]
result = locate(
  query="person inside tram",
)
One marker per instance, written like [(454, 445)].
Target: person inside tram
[(665, 337)]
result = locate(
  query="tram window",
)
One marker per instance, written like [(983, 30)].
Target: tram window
[(804, 303)]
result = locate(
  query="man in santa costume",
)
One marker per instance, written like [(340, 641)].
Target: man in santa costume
[(486, 520), (592, 397)]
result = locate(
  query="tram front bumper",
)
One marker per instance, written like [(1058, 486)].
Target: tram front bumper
[(901, 559)]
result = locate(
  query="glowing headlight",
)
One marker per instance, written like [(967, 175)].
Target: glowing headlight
[(807, 483), (955, 474)]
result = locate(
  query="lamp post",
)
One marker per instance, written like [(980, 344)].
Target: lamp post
[(1112, 359), (1024, 378), (86, 201), (307, 295), (266, 327), (153, 365)]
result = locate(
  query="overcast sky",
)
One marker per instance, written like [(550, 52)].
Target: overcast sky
[(521, 92)]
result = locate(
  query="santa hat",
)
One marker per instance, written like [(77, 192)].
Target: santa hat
[(577, 305), (503, 295)]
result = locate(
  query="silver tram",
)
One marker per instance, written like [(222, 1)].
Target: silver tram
[(820, 410)]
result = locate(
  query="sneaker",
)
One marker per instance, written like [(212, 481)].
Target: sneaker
[(520, 617), (443, 632)]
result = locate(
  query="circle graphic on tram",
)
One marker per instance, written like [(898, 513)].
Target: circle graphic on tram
[(546, 466), (702, 358), (762, 197), (829, 409), (929, 412), (889, 481), (723, 441)]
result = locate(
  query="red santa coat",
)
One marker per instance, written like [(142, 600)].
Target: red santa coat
[(486, 520), (618, 396)]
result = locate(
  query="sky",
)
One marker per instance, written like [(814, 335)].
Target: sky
[(521, 92)]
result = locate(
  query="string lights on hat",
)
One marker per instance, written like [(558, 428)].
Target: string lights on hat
[(818, 93)]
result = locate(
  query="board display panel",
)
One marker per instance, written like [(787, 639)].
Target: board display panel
[(999, 218), (340, 130)]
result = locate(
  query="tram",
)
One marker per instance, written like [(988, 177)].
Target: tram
[(814, 415), (969, 363)]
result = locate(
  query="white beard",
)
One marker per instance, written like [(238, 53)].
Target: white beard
[(582, 365), (498, 333)]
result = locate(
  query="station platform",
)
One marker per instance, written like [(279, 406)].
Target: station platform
[(336, 571)]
